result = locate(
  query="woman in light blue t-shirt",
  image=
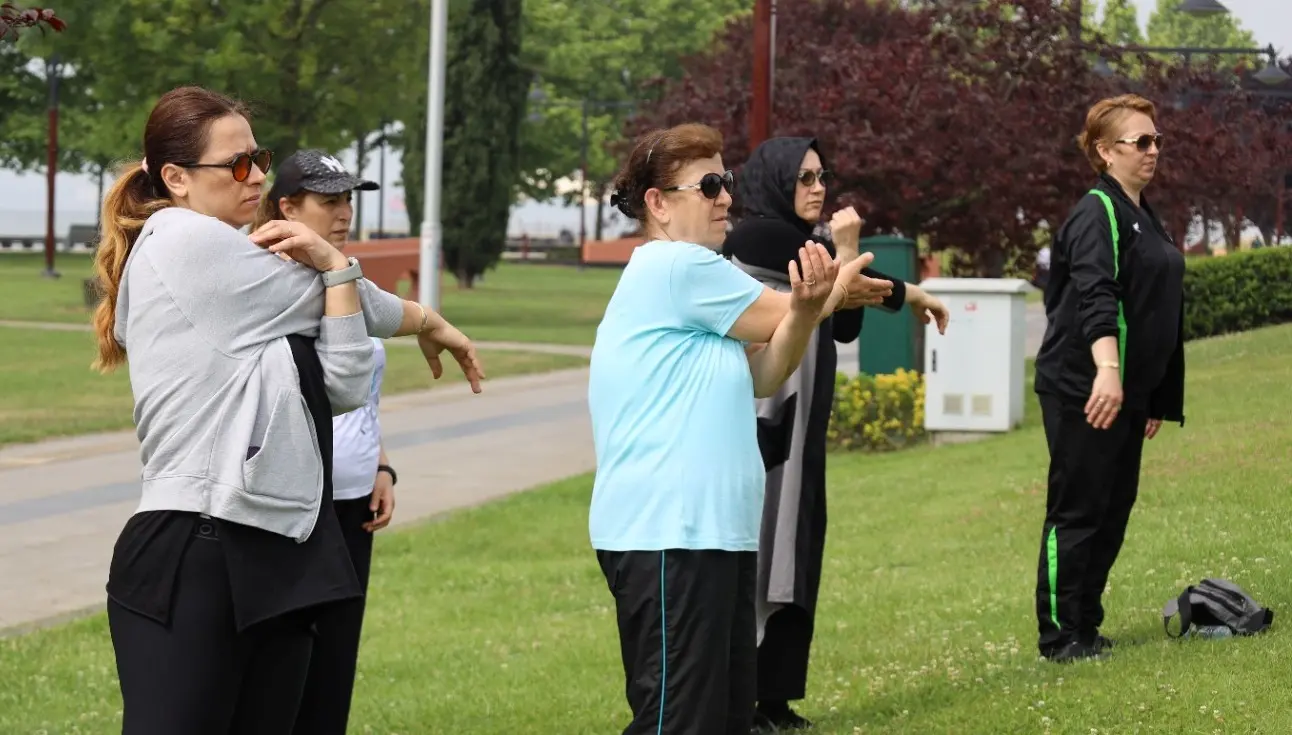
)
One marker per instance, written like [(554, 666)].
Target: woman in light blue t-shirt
[(688, 341)]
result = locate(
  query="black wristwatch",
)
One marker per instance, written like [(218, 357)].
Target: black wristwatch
[(394, 479)]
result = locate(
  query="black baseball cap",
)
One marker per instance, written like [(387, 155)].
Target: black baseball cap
[(313, 170)]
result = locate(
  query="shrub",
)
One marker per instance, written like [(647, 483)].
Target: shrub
[(877, 412), (1237, 292)]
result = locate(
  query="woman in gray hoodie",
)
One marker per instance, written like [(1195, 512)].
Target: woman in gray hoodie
[(238, 358)]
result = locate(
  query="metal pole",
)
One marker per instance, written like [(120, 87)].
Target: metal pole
[(358, 195), (53, 70), (381, 208), (771, 69), (583, 187), (760, 109), (432, 233)]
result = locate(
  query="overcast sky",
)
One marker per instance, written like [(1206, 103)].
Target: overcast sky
[(22, 197)]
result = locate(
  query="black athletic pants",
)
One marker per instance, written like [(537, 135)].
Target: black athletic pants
[(199, 676), (325, 705), (1094, 479), (688, 636)]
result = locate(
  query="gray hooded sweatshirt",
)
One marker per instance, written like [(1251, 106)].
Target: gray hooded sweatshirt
[(203, 314)]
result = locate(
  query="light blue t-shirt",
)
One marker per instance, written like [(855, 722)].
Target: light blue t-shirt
[(672, 404)]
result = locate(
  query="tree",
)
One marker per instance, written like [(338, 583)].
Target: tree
[(1169, 27), (952, 121), (957, 122), (597, 52), (14, 19), (306, 68), (1120, 23), (484, 102)]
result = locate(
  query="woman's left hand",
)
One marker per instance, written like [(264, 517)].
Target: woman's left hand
[(810, 290), (1151, 429), (927, 308)]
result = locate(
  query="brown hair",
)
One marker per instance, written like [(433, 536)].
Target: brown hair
[(656, 158), (1102, 120), (269, 209), (176, 132)]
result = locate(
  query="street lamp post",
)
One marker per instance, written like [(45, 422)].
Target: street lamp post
[(381, 176), (53, 72), (760, 108), (428, 282)]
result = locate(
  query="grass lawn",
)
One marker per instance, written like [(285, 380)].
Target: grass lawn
[(49, 389), (497, 620), (521, 303)]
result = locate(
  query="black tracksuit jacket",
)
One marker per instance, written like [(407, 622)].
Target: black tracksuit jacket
[(1081, 304)]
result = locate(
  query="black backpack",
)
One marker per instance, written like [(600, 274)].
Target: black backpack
[(1217, 602)]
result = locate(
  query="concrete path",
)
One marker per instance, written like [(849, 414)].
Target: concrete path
[(551, 349), (63, 502)]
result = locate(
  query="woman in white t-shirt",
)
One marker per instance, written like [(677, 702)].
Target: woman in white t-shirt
[(314, 188)]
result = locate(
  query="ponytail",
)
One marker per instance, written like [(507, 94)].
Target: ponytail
[(128, 204)]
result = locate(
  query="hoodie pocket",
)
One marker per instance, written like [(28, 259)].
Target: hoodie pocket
[(287, 465)]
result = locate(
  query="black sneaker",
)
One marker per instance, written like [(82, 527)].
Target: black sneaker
[(763, 725), (1104, 644), (1075, 651), (781, 717)]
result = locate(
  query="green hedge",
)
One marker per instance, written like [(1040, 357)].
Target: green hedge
[(1237, 292)]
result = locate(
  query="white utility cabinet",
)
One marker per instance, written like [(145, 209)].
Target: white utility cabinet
[(974, 373)]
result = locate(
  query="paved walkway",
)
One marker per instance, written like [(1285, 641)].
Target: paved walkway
[(579, 350), (63, 502)]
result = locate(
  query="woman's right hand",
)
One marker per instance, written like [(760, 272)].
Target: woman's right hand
[(303, 244), (1105, 398), (810, 290), (862, 290)]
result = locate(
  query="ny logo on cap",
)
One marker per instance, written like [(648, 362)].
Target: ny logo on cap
[(333, 164)]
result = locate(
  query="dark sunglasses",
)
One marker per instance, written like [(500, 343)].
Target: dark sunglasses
[(711, 185), (809, 178), (1143, 142), (240, 165)]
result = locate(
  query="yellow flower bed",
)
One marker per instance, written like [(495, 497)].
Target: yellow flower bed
[(877, 412)]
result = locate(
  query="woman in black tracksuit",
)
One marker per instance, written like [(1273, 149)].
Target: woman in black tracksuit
[(1109, 372)]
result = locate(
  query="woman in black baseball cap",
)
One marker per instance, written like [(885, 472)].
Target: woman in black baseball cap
[(315, 189)]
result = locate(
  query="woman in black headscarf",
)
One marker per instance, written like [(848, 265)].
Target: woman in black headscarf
[(781, 193)]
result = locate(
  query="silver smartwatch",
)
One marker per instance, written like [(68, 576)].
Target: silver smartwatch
[(351, 273)]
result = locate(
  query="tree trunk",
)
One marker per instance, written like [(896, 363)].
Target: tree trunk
[(991, 263), (356, 227), (601, 211), (98, 220), (465, 278)]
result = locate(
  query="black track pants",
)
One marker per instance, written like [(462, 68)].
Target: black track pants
[(688, 635), (1093, 482)]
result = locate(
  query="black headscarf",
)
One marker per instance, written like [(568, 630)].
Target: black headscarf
[(770, 233)]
